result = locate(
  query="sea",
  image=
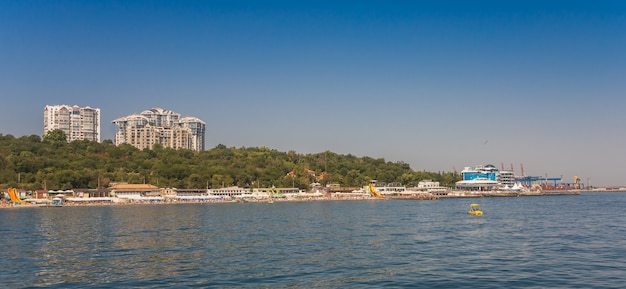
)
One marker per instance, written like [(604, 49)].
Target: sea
[(574, 241)]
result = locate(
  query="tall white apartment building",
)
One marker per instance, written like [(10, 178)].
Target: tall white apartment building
[(78, 123), (160, 126)]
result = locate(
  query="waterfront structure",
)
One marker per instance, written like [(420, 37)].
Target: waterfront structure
[(78, 123), (430, 187), (485, 178), (232, 192), (136, 192), (188, 194), (160, 126), (391, 189), (385, 189), (277, 192)]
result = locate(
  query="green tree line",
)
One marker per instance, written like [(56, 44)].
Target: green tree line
[(51, 163)]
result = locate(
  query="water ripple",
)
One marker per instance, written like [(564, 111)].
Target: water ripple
[(556, 242)]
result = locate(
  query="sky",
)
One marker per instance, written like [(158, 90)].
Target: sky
[(440, 85)]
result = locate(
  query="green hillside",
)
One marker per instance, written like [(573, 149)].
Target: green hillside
[(51, 163)]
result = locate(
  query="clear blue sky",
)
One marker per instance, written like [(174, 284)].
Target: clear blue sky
[(436, 84)]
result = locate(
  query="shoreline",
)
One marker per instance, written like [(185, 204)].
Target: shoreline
[(423, 197)]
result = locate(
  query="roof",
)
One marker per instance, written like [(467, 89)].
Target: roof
[(134, 187), (82, 190)]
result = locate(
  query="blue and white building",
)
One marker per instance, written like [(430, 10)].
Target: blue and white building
[(487, 178)]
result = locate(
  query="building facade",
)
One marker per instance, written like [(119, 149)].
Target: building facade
[(78, 123), (160, 126), (485, 178)]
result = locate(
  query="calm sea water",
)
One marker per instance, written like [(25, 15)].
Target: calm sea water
[(525, 242)]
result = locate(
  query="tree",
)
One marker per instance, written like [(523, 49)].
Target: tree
[(55, 164), (55, 136)]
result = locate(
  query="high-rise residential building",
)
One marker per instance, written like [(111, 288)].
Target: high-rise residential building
[(197, 128), (78, 123), (160, 126)]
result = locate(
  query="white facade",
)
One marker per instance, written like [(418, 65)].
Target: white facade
[(160, 126), (78, 123), (431, 187), (486, 178), (197, 128), (506, 178)]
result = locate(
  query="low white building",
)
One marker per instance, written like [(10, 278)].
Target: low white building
[(138, 192)]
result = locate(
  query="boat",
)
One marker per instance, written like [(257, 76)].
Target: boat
[(474, 210)]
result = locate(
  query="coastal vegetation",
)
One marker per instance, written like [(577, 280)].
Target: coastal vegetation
[(51, 163)]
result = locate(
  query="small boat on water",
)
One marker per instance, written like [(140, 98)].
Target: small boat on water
[(475, 210)]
